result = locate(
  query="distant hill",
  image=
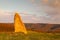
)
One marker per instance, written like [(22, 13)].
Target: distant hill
[(42, 27), (39, 27)]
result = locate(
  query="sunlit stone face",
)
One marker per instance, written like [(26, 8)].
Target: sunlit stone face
[(18, 24)]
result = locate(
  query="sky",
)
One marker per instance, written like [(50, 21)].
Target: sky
[(31, 11)]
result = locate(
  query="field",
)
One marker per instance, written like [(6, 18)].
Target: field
[(35, 32), (38, 27), (30, 36)]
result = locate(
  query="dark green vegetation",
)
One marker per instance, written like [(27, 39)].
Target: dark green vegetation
[(30, 36)]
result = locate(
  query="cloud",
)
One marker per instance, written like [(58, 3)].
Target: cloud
[(47, 13), (52, 9), (6, 16)]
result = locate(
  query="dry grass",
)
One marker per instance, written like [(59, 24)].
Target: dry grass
[(30, 36)]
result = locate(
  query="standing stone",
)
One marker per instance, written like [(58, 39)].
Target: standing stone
[(18, 24)]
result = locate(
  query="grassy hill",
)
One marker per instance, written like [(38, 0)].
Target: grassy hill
[(39, 27), (32, 35), (37, 31)]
